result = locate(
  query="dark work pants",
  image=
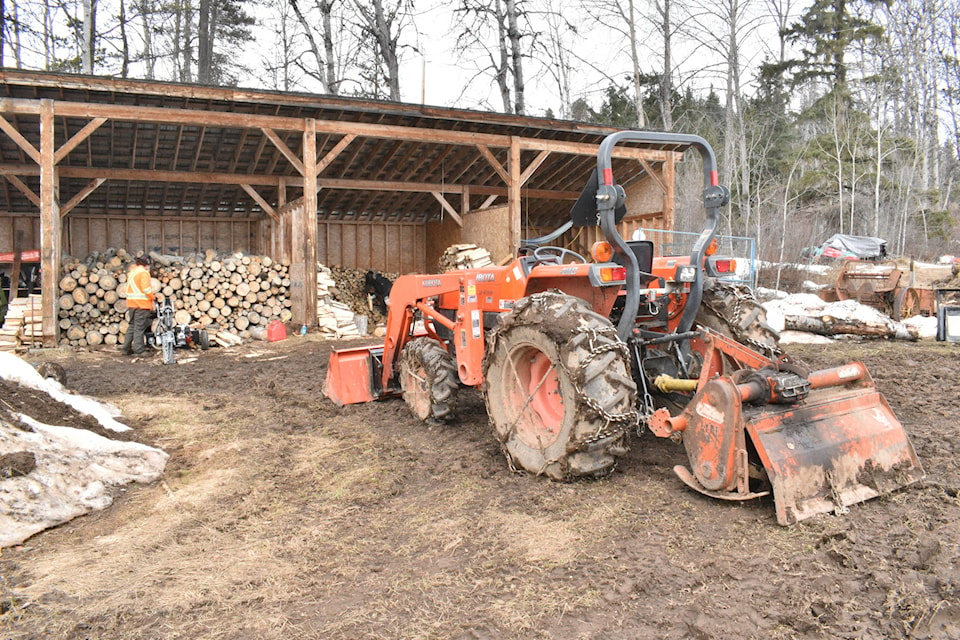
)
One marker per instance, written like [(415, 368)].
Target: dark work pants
[(139, 320)]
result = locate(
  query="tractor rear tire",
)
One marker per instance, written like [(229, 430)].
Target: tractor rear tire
[(428, 379), (732, 310), (558, 388)]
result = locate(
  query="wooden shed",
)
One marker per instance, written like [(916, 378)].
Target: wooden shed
[(90, 163)]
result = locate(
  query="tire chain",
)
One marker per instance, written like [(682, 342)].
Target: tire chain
[(741, 293), (614, 425)]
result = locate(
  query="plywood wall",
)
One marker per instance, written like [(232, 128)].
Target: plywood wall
[(28, 225), (175, 236), (391, 247), (489, 228)]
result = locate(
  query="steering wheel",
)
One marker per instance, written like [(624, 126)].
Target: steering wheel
[(555, 255)]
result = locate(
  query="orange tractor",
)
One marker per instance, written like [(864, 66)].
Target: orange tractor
[(572, 355)]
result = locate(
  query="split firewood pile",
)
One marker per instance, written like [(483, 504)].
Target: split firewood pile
[(464, 256), (231, 293), (344, 307), (22, 324)]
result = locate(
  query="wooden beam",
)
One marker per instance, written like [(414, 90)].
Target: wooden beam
[(17, 137), (489, 201), (222, 119), (486, 153), (448, 208), (333, 153), (284, 149), (253, 193), (590, 149), (81, 196), (533, 166), (23, 188), (650, 172), (513, 200), (199, 117), (146, 175), (77, 138), (49, 227)]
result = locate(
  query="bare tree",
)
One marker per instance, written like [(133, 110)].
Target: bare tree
[(383, 23), (622, 16), (326, 69), (492, 29)]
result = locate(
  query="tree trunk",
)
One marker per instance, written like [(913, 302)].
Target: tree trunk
[(828, 326), (504, 66), (513, 32), (666, 80), (124, 41), (205, 42), (186, 50), (332, 82), (635, 60), (89, 35), (147, 53)]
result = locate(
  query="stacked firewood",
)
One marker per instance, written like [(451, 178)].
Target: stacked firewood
[(22, 325), (464, 256), (350, 289), (232, 293), (337, 319)]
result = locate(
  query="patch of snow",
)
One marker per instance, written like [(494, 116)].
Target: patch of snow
[(926, 326), (15, 369), (818, 269), (75, 470), (764, 293), (802, 337), (797, 304), (810, 285)]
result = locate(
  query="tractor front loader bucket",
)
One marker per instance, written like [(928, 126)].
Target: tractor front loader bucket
[(353, 375), (838, 446)]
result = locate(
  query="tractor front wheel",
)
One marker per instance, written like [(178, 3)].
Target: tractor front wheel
[(558, 388), (428, 379)]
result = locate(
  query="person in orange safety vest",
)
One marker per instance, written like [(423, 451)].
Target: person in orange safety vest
[(139, 306)]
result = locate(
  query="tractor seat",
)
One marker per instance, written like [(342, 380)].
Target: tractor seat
[(643, 250)]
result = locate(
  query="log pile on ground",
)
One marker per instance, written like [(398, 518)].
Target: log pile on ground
[(230, 293), (464, 256), (809, 313)]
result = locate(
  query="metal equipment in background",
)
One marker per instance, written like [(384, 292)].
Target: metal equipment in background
[(168, 335), (572, 355)]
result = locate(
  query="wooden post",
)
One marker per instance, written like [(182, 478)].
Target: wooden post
[(513, 198), (49, 227), (669, 192), (277, 228), (15, 271), (303, 266)]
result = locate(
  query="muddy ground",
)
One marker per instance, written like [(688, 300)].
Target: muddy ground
[(283, 516)]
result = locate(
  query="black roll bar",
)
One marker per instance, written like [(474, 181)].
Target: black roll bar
[(714, 197)]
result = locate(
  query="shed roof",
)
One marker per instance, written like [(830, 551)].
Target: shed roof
[(173, 150)]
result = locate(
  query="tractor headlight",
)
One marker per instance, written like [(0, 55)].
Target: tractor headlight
[(686, 273)]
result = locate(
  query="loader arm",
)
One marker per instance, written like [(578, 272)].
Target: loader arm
[(412, 293)]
